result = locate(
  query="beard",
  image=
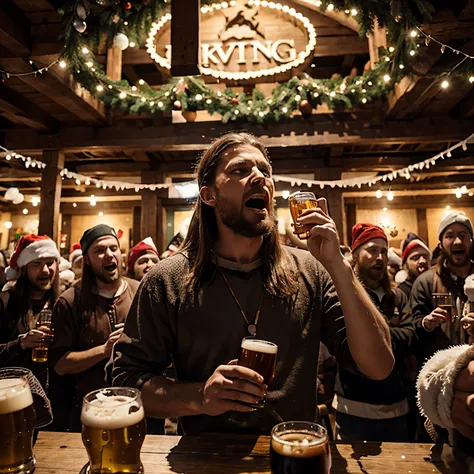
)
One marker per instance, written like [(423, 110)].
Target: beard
[(232, 216), (42, 286), (371, 274), (460, 264)]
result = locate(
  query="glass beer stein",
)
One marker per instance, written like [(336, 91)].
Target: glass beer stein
[(113, 430)]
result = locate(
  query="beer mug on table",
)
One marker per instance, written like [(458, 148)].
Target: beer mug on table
[(260, 356), (40, 352), (113, 430), (17, 426), (300, 201), (299, 447), (445, 301)]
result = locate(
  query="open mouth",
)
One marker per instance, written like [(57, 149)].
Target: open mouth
[(256, 203), (110, 268), (377, 268), (458, 252)]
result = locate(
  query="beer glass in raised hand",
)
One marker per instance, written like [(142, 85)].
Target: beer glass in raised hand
[(17, 425), (260, 356), (113, 430), (299, 447), (40, 352)]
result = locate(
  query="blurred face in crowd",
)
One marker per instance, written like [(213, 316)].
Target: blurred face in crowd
[(143, 264), (242, 195), (42, 272), (456, 242), (105, 258), (371, 260), (417, 262)]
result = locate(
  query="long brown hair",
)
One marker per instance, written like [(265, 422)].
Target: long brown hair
[(279, 276), (21, 293)]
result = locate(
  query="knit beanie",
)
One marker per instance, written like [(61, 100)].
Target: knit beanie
[(454, 217), (92, 234), (362, 233)]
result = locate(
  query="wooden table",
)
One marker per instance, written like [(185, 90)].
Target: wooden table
[(63, 453)]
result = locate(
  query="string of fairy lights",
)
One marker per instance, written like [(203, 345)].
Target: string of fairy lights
[(188, 189)]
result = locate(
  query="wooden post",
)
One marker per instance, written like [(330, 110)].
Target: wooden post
[(136, 231), (51, 193), (153, 215), (377, 39), (185, 42), (351, 210), (66, 224), (422, 224), (333, 197), (114, 63)]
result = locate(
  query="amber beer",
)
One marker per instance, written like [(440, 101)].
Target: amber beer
[(17, 425), (40, 352), (299, 447), (444, 301), (299, 202), (113, 430), (261, 356)]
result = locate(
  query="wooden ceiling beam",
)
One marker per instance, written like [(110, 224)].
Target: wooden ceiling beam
[(14, 30), (465, 108), (19, 110)]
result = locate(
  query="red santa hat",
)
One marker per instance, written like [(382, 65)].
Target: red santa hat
[(76, 252), (29, 248), (414, 244), (362, 233), (146, 245)]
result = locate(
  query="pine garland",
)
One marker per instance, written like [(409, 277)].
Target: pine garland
[(192, 94)]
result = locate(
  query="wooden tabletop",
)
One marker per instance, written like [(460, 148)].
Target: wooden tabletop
[(63, 453)]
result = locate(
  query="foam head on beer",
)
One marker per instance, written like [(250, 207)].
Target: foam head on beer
[(15, 395), (111, 412), (299, 445), (257, 345)]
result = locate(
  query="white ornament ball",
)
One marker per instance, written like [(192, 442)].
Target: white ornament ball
[(11, 194), (19, 199), (121, 41), (81, 12), (79, 25)]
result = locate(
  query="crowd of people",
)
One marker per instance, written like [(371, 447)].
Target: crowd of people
[(177, 334)]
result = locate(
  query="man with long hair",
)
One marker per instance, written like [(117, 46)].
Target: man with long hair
[(436, 328), (367, 409), (88, 318), (233, 279), (34, 269)]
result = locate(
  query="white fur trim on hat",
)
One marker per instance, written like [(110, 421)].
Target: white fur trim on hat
[(40, 249), (149, 241), (401, 276), (12, 274), (74, 255), (454, 217), (67, 277), (64, 264), (393, 258)]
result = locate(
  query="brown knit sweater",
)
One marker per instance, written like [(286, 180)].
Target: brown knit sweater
[(199, 333)]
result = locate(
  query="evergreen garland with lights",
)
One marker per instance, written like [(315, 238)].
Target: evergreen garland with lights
[(94, 25)]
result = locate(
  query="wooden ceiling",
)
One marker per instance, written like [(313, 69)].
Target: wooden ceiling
[(50, 112)]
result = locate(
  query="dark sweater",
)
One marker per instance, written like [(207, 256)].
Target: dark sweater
[(437, 280), (198, 334), (394, 308)]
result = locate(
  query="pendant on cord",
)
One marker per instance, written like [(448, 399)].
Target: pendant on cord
[(252, 329)]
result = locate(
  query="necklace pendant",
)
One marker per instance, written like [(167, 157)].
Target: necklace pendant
[(252, 329)]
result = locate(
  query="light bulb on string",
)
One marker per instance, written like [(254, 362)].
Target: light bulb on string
[(413, 33), (445, 84), (62, 64), (378, 193), (471, 79), (458, 193), (390, 196)]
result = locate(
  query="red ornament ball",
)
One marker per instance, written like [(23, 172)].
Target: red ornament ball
[(177, 105), (126, 5), (146, 2), (234, 100), (305, 107)]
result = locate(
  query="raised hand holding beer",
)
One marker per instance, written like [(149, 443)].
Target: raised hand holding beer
[(31, 339)]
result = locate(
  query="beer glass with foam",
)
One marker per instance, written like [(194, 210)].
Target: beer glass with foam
[(40, 352), (17, 425), (299, 202), (445, 301), (299, 447), (113, 430), (260, 356)]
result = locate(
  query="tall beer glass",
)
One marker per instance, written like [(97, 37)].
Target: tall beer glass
[(261, 356), (445, 301), (17, 425), (40, 352), (113, 430), (299, 447)]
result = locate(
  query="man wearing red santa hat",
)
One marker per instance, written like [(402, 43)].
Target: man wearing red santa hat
[(141, 258), (34, 269)]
